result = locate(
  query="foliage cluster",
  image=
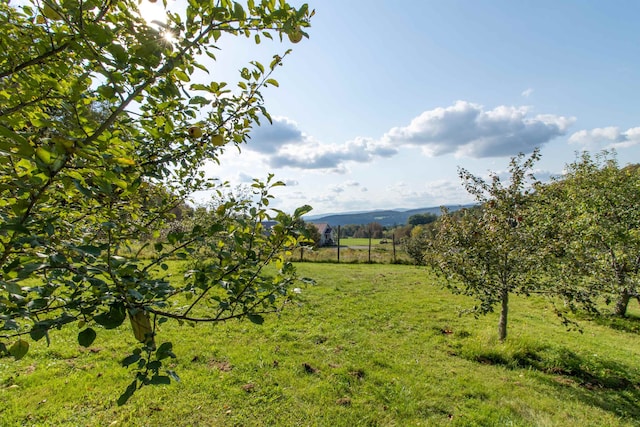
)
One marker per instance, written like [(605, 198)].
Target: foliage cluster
[(575, 239), (104, 131)]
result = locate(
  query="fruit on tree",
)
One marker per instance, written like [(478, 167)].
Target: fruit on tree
[(141, 325), (295, 35), (195, 132), (217, 140)]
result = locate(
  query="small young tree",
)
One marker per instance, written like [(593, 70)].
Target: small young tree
[(313, 234), (104, 132), (485, 253), (418, 241)]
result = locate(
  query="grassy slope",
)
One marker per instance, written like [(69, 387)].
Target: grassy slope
[(382, 346)]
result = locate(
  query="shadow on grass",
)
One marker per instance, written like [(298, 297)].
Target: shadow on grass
[(629, 324), (603, 383)]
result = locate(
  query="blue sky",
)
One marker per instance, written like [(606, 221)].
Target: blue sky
[(386, 99)]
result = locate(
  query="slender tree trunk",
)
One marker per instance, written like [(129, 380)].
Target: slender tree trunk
[(502, 324), (620, 308)]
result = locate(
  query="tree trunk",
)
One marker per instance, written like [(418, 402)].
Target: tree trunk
[(621, 305), (502, 324)]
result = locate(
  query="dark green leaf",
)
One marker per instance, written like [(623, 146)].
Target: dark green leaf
[(91, 250), (160, 379), (256, 318), (164, 351), (132, 358), (86, 337), (12, 288), (37, 332), (124, 397), (113, 318), (19, 349)]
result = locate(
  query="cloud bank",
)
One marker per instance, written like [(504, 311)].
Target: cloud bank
[(609, 137), (462, 129), (466, 129)]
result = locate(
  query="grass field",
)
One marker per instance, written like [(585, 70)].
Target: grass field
[(354, 250), (369, 345)]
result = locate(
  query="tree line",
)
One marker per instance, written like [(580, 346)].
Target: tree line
[(375, 230), (575, 240)]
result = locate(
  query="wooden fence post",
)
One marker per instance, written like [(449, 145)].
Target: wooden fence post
[(369, 243), (393, 241), (338, 244)]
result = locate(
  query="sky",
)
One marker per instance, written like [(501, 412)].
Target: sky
[(386, 100)]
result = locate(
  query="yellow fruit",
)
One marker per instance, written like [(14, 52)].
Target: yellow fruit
[(124, 161), (50, 12), (195, 132), (69, 146), (44, 155), (295, 36), (141, 326), (217, 140)]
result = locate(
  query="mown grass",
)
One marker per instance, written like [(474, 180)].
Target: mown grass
[(356, 251), (369, 345)]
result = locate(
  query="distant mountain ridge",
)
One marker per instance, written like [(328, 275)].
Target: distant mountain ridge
[(386, 218)]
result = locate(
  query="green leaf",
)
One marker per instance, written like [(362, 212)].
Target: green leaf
[(131, 359), (160, 379), (24, 149), (302, 210), (124, 397), (86, 337), (273, 82), (91, 250), (19, 349), (113, 318), (37, 332), (181, 75), (256, 318), (164, 351), (12, 288)]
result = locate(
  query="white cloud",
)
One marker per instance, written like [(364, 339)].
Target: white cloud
[(313, 155), (463, 129), (269, 137), (608, 137), (527, 92), (466, 129)]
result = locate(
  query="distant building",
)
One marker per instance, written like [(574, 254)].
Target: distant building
[(326, 234)]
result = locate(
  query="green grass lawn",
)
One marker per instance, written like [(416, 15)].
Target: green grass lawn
[(353, 241), (369, 345), (354, 250)]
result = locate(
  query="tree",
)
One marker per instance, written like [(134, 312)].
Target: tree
[(313, 234), (422, 219), (104, 132), (419, 241), (591, 223), (349, 230), (485, 253)]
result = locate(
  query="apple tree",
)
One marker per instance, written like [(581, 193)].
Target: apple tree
[(485, 252), (590, 220), (105, 125)]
